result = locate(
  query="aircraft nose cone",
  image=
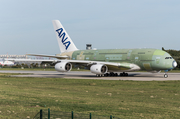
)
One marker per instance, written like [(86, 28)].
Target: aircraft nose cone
[(174, 64)]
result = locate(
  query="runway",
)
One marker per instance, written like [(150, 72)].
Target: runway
[(135, 76)]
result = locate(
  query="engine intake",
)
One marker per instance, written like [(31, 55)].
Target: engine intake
[(63, 67), (99, 69)]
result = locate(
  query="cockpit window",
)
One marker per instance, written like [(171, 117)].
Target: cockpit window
[(168, 58)]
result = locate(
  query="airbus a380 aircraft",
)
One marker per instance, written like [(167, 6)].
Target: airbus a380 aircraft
[(107, 61)]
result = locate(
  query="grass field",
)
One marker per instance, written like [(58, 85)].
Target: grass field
[(24, 97)]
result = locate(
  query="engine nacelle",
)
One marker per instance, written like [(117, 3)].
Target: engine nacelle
[(99, 69), (63, 67)]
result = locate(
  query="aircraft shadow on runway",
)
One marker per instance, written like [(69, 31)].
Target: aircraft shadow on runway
[(94, 76)]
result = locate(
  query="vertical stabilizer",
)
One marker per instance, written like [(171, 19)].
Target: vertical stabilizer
[(64, 41)]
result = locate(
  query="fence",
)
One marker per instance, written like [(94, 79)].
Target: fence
[(47, 114)]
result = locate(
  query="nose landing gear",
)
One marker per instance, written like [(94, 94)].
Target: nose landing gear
[(165, 74)]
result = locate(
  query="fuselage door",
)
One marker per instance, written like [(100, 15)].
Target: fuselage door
[(137, 59)]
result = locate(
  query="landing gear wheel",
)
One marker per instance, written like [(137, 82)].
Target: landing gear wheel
[(123, 74), (106, 74), (165, 75), (111, 74)]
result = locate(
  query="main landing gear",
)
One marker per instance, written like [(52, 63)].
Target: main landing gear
[(123, 74), (112, 74)]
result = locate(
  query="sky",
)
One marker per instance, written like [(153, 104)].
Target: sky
[(26, 26)]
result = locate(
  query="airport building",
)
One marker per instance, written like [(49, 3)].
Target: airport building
[(14, 56), (24, 59)]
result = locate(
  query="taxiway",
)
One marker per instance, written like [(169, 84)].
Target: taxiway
[(136, 76)]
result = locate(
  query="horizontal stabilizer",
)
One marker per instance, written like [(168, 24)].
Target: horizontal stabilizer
[(30, 60)]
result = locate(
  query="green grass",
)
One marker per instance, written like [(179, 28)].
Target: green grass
[(23, 97)]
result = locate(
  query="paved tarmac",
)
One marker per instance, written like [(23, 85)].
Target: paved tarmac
[(136, 76)]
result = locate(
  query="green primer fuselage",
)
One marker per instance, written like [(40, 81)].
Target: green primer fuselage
[(146, 59)]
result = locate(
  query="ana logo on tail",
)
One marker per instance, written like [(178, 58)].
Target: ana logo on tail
[(63, 35)]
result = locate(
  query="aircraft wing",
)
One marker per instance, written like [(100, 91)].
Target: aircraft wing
[(53, 56), (31, 60), (110, 65)]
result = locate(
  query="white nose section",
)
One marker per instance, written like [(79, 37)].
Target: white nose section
[(174, 64)]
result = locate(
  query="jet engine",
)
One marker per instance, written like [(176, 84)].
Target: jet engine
[(63, 67), (99, 69)]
